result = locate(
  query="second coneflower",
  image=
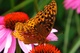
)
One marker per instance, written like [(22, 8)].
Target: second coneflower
[(72, 4), (45, 48)]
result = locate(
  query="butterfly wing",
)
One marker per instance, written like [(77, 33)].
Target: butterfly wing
[(37, 28), (44, 20)]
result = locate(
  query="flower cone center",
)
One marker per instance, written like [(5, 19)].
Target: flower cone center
[(45, 48), (12, 18)]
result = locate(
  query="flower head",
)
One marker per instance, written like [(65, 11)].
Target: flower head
[(73, 4), (45, 48), (7, 41)]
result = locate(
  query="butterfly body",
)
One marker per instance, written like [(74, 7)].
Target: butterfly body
[(38, 28)]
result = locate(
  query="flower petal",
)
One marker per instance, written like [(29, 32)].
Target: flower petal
[(53, 30), (13, 46), (52, 37), (1, 20), (78, 9), (2, 44), (3, 34), (73, 4), (1, 27), (26, 48), (8, 43), (3, 39)]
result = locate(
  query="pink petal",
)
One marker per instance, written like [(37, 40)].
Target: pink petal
[(53, 30), (2, 32), (68, 1), (69, 4), (1, 27), (4, 36), (26, 48), (8, 43), (52, 37), (1, 20), (2, 44), (3, 39), (75, 6), (78, 10), (13, 46)]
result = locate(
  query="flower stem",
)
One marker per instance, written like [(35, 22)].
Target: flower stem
[(66, 33), (77, 23), (75, 47), (77, 44), (12, 3), (36, 5), (21, 5), (18, 50)]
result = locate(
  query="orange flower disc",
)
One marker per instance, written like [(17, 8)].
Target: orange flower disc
[(14, 17), (45, 48)]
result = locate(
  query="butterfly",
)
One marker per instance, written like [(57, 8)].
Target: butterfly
[(36, 29)]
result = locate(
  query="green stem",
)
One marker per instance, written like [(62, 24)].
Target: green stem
[(18, 50), (36, 5), (77, 44), (75, 47), (77, 24), (66, 33), (12, 3), (21, 5)]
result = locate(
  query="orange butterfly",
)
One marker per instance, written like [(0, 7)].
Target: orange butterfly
[(37, 28)]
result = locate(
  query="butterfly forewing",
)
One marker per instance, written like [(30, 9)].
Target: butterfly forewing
[(43, 22)]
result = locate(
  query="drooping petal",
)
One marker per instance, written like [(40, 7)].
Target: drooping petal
[(2, 44), (52, 37), (2, 32), (53, 30), (8, 42), (78, 9), (13, 46), (3, 40), (26, 48), (1, 20)]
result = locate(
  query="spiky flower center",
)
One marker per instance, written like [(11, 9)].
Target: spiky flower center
[(12, 18), (45, 48)]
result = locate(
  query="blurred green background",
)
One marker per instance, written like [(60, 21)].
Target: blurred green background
[(67, 21)]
